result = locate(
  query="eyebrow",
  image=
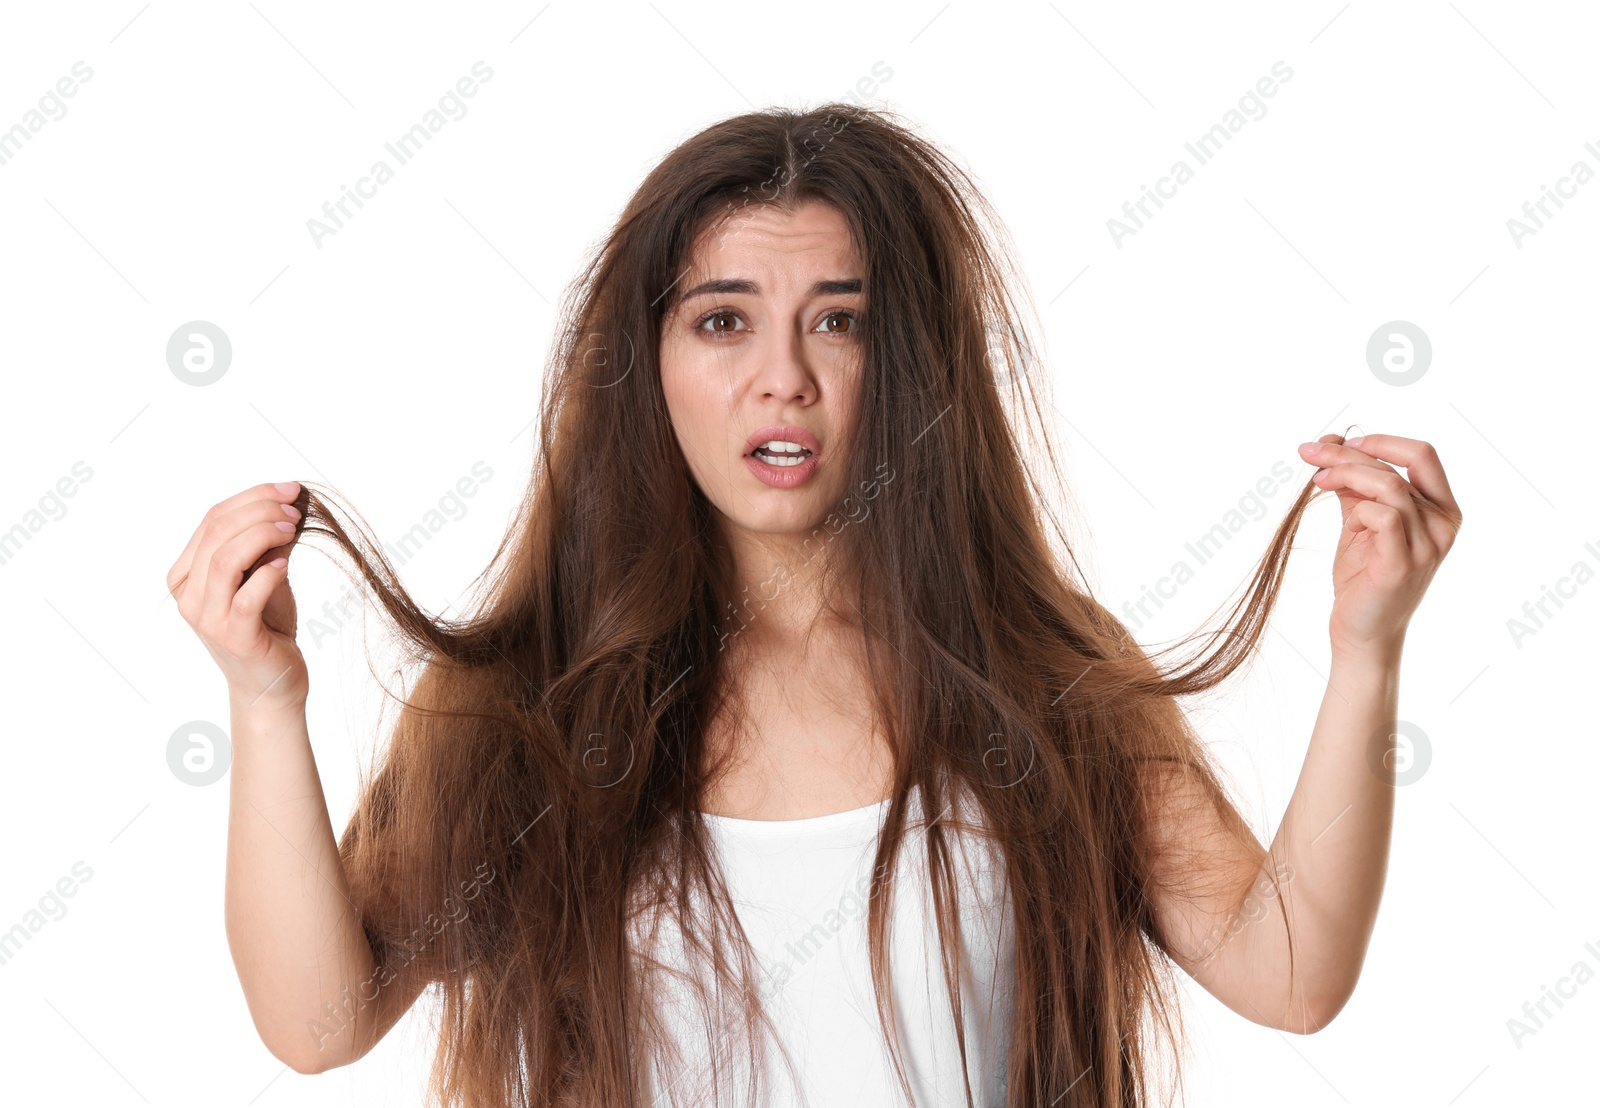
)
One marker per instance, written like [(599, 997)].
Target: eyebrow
[(728, 286)]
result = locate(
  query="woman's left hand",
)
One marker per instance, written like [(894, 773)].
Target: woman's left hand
[(1396, 532)]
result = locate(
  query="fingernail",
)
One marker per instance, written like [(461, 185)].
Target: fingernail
[(288, 488), (1355, 441), (1309, 447)]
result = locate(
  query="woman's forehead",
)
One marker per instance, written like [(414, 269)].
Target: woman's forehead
[(814, 228)]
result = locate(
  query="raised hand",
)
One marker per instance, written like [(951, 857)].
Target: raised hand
[(1396, 532), (231, 583)]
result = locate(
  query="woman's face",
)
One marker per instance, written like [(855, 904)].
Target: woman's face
[(764, 337)]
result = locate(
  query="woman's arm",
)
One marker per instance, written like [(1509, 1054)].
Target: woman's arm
[(1326, 865), (1220, 897), (316, 995), (302, 956)]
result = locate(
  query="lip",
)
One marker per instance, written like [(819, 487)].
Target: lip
[(781, 477), (787, 432)]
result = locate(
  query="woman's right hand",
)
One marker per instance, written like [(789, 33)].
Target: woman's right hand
[(232, 589)]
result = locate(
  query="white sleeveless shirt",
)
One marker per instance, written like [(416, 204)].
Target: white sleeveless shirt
[(800, 889)]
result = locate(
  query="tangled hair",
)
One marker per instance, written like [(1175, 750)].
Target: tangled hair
[(552, 752)]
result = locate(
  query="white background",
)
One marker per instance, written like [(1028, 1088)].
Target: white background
[(1185, 362)]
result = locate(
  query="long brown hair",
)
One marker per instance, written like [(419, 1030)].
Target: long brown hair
[(551, 755)]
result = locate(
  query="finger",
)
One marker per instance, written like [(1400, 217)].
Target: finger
[(1325, 453), (220, 528), (1384, 486), (226, 567), (1387, 529), (244, 618), (183, 568), (1421, 463), (187, 575)]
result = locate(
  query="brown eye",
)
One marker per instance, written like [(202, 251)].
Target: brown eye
[(715, 331), (828, 322)]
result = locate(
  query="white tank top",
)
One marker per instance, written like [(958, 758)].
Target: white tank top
[(800, 889)]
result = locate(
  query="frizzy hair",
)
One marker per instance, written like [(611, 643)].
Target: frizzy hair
[(555, 735)]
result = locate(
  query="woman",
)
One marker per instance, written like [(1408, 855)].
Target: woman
[(782, 692)]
